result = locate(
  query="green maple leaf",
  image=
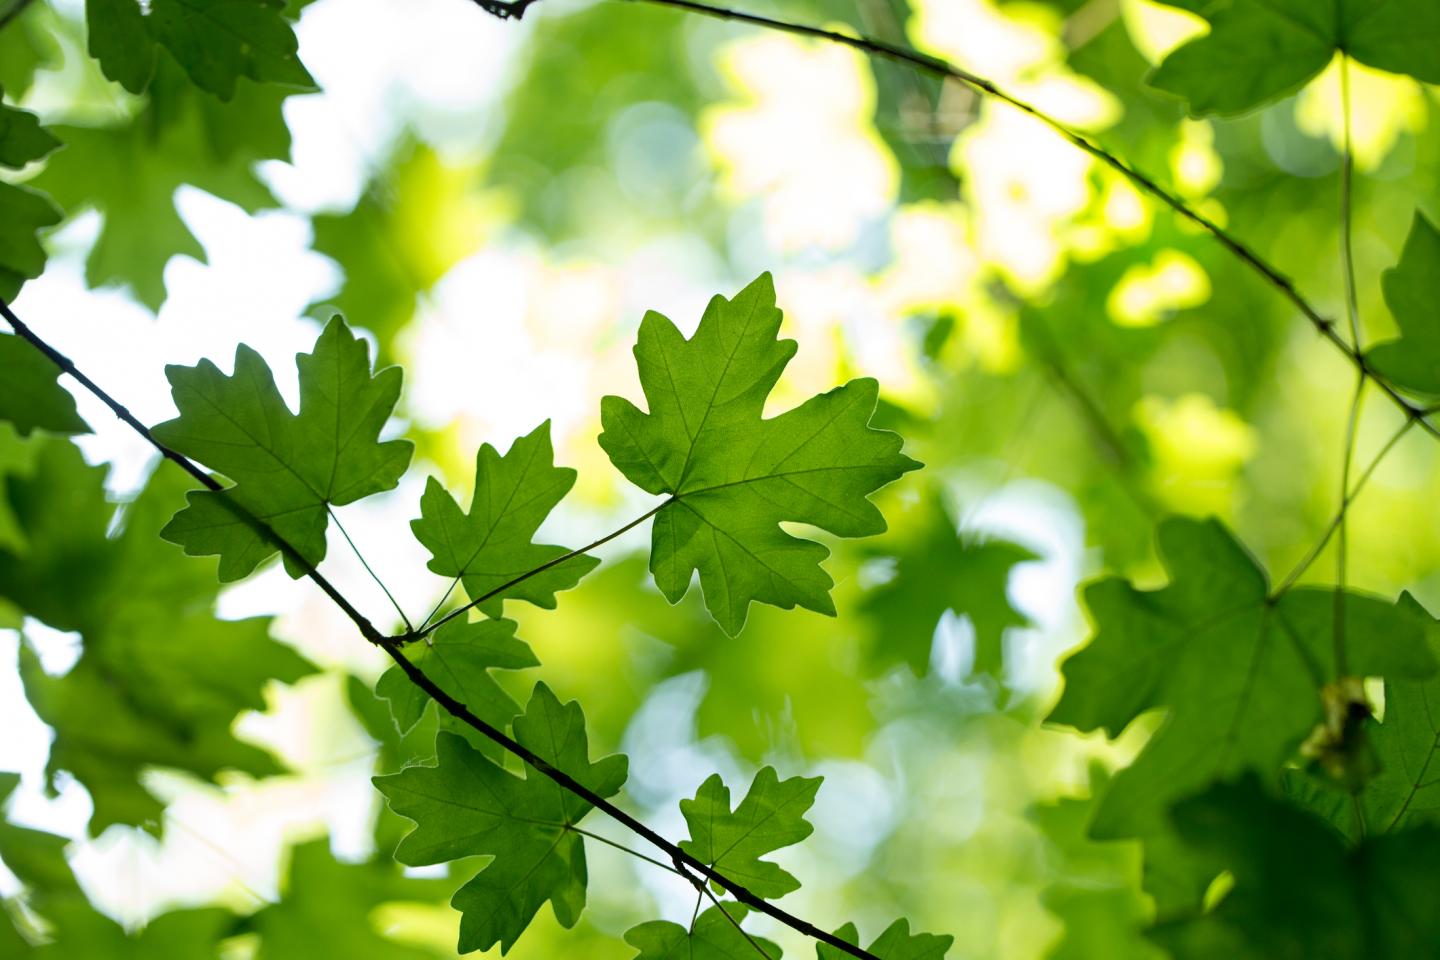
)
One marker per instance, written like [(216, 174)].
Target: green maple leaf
[(714, 937), (288, 469), (33, 397), (466, 805), (331, 903), (23, 214), (492, 543), (896, 943), (181, 137), (1240, 676), (771, 816), (1260, 50), (938, 570), (459, 657), (37, 859), (734, 477), (1412, 291), (1298, 890), (146, 619)]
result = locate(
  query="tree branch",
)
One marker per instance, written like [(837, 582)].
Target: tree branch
[(943, 68), (454, 707)]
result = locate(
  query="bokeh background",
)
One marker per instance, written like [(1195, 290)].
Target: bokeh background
[(498, 204)]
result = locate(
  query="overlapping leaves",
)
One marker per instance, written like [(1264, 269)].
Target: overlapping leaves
[(733, 477), (160, 680), (288, 468), (1238, 673), (1258, 51), (23, 212)]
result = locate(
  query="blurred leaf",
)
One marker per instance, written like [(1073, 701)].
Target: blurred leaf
[(121, 41), (33, 397), (159, 681), (715, 936), (466, 805), (493, 543), (181, 137), (329, 902), (1240, 675), (219, 41), (771, 816), (1412, 291), (22, 139), (1257, 51), (459, 657), (27, 44), (734, 477), (288, 469), (82, 932), (23, 213), (405, 232), (1298, 892), (938, 570)]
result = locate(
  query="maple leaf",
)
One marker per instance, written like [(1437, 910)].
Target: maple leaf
[(771, 816), (459, 657), (1412, 291), (288, 469), (896, 943), (492, 543), (467, 805), (734, 477), (715, 936), (939, 570), (1298, 891), (33, 397), (146, 619), (1256, 52), (1239, 674)]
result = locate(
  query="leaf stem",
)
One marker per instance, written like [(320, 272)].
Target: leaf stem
[(1314, 552), (735, 923), (489, 594), (364, 563)]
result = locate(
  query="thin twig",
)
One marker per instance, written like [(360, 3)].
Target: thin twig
[(620, 846), (454, 707), (735, 923), (942, 68), (1352, 421), (1314, 552), (367, 629)]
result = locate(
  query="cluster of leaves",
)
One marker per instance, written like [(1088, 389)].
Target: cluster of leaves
[(1327, 848), (731, 477)]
